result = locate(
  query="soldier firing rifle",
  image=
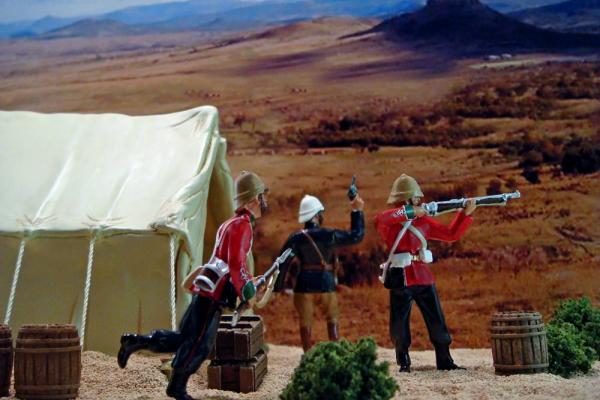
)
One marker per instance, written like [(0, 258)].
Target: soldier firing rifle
[(405, 229)]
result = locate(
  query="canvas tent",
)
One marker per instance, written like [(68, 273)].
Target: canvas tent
[(101, 217)]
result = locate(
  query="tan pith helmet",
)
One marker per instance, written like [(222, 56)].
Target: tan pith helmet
[(247, 186), (404, 188)]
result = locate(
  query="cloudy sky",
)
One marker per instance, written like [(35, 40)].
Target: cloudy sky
[(19, 10)]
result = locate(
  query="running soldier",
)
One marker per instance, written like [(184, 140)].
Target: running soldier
[(198, 327)]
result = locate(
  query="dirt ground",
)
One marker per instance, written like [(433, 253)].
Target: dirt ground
[(142, 379)]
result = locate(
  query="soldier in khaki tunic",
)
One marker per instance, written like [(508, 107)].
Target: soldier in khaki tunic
[(315, 248)]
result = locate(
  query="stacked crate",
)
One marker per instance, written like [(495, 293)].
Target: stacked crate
[(239, 363)]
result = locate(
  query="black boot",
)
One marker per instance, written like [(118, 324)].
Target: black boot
[(130, 343), (444, 360), (177, 385), (305, 336), (332, 331), (403, 360)]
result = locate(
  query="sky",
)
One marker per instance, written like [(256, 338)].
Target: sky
[(23, 10)]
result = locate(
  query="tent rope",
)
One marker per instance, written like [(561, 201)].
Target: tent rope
[(13, 288), (88, 284), (172, 245)]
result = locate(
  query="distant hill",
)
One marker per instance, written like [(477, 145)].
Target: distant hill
[(232, 15), (468, 26), (223, 15), (267, 13), (91, 28), (34, 28), (153, 13), (582, 16), (507, 6)]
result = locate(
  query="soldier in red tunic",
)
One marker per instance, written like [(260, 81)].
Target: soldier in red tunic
[(228, 279), (409, 278)]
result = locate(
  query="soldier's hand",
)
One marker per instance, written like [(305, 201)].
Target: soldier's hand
[(256, 280), (260, 292), (419, 211), (471, 206), (358, 203)]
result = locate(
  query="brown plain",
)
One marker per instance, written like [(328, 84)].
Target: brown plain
[(527, 256)]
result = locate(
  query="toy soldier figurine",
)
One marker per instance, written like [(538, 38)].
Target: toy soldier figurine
[(198, 327), (315, 248), (409, 278)]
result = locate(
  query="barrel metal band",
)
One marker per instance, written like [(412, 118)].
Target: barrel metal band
[(47, 332), (517, 335), (67, 396), (69, 341), (518, 318), (46, 387), (519, 367), (516, 327), (47, 350)]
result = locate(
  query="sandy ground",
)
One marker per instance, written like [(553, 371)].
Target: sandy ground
[(142, 379)]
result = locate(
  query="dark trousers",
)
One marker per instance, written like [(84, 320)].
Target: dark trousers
[(428, 302), (195, 338)]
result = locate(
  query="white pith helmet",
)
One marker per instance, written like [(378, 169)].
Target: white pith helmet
[(309, 207)]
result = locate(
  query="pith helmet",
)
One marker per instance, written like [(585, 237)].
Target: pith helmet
[(247, 186), (309, 207), (404, 188)]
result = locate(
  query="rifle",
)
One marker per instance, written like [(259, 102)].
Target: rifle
[(434, 208), (269, 278)]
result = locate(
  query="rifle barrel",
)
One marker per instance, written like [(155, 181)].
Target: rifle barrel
[(441, 207)]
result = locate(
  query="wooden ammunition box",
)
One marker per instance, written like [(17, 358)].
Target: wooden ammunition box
[(238, 376), (240, 343)]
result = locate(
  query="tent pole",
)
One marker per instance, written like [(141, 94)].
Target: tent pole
[(88, 284), (173, 294), (13, 288)]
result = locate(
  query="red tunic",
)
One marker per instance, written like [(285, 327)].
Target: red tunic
[(388, 223), (235, 244)]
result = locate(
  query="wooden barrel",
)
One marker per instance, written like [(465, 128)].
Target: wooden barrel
[(519, 343), (47, 362), (6, 359)]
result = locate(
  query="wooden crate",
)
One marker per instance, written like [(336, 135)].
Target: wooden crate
[(238, 376), (240, 343)]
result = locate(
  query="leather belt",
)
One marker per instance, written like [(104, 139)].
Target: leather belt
[(317, 267)]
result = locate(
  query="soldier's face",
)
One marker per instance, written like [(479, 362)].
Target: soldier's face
[(262, 200), (415, 201)]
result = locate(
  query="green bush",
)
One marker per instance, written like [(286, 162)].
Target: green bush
[(341, 371), (581, 157), (567, 350), (584, 317)]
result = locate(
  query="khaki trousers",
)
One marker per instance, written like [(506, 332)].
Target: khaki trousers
[(305, 305)]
